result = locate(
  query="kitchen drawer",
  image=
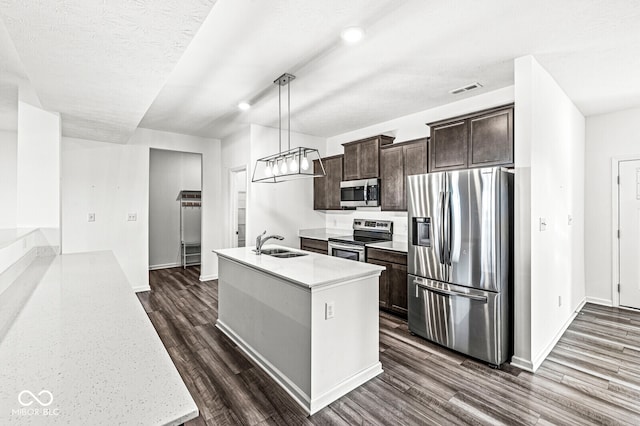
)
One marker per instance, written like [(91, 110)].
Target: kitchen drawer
[(387, 256), (316, 246)]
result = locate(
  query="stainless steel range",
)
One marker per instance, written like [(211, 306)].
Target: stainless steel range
[(364, 232)]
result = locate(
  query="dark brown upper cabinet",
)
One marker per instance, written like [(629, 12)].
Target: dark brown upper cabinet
[(362, 157), (326, 189), (482, 139), (397, 161), (491, 139)]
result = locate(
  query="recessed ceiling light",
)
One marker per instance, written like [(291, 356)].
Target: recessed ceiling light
[(352, 35), (244, 106)]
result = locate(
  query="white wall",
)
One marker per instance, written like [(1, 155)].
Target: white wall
[(107, 180), (169, 173), (113, 180), (235, 153), (8, 178), (614, 135), (38, 169), (407, 128), (281, 208), (550, 143)]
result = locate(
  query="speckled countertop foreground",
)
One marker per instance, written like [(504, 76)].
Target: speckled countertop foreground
[(83, 351)]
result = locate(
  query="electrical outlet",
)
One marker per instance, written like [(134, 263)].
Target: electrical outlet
[(543, 224), (91, 217), (132, 217), (329, 310)]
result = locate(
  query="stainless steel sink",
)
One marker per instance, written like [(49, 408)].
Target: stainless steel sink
[(271, 252), (282, 253), (288, 254)]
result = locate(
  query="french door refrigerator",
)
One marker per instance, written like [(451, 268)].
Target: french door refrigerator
[(459, 281)]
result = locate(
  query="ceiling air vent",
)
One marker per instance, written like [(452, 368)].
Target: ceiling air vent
[(465, 88)]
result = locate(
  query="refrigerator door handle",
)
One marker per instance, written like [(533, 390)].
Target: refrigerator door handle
[(441, 230), (420, 283), (447, 228)]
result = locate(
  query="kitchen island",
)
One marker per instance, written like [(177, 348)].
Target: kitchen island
[(311, 322)]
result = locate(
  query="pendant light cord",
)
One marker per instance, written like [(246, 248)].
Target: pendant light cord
[(279, 118), (289, 112)]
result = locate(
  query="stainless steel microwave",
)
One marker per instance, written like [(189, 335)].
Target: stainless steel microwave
[(360, 193)]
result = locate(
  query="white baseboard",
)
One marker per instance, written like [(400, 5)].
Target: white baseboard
[(537, 361), (311, 406), (521, 363), (141, 288), (164, 266), (533, 365), (208, 277), (599, 301), (345, 387)]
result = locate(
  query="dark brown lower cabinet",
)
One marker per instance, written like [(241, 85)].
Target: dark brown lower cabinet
[(393, 280), (316, 246)]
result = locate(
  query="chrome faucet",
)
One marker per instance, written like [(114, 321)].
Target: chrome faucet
[(260, 241)]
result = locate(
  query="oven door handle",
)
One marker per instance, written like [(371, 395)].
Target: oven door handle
[(346, 247)]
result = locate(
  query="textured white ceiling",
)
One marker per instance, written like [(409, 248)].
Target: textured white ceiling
[(109, 66), (413, 53), (11, 76), (101, 63)]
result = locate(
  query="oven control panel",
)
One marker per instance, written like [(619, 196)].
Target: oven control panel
[(373, 225)]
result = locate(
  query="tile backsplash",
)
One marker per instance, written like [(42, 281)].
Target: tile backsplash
[(344, 220)]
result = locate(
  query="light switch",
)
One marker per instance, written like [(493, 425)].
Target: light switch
[(569, 219), (329, 310), (91, 217), (543, 224)]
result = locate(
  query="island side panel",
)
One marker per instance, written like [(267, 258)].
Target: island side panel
[(272, 317), (345, 348)]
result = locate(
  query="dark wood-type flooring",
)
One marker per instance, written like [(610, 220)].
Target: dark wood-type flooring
[(591, 377)]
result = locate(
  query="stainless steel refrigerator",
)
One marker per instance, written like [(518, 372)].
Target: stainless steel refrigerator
[(460, 280)]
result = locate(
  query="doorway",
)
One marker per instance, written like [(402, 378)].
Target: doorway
[(629, 232), (238, 203), (175, 203)]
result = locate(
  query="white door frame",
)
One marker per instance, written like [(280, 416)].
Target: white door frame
[(615, 225), (233, 202)]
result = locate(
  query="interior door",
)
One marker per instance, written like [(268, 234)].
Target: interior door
[(629, 213), (242, 218)]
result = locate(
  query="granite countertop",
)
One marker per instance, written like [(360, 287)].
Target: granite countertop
[(323, 233), (312, 270), (395, 245), (84, 346)]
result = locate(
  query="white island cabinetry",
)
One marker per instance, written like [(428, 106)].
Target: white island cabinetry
[(311, 322)]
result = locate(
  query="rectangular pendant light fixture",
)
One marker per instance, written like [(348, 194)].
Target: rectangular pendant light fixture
[(294, 163)]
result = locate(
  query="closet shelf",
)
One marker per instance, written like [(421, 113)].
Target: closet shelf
[(190, 204)]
